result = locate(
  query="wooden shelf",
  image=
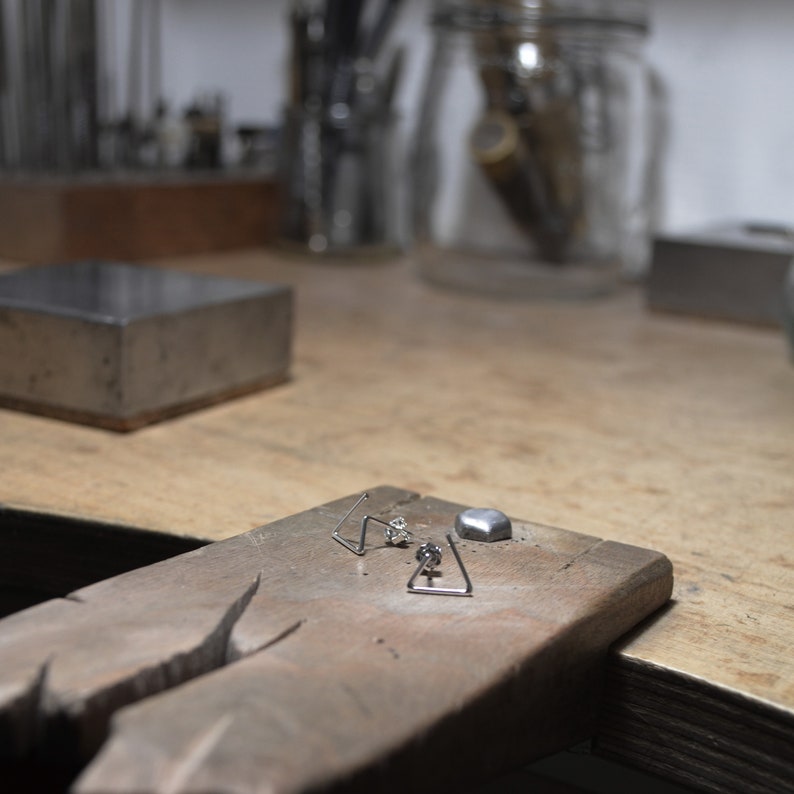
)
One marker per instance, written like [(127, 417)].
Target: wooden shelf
[(134, 216)]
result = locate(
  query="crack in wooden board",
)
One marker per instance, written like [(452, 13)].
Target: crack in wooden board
[(352, 681), (106, 652), (121, 640)]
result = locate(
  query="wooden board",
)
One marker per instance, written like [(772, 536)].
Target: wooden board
[(729, 744), (653, 430), (309, 667), (134, 216)]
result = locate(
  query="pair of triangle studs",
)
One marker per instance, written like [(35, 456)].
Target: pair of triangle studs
[(428, 555)]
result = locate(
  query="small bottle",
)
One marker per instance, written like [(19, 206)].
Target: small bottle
[(530, 155)]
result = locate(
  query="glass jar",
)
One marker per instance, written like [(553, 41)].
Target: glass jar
[(530, 152)]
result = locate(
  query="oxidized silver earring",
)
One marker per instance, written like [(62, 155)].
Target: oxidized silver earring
[(429, 557), (394, 531)]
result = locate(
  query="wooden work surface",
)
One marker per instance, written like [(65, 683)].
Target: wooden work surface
[(278, 661), (599, 417)]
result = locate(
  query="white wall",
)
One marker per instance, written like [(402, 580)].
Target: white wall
[(726, 68), (236, 45)]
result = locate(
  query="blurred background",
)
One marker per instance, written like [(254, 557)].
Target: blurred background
[(637, 121), (723, 69)]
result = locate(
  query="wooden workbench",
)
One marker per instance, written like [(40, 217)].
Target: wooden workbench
[(599, 417)]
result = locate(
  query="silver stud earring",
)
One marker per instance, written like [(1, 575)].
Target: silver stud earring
[(394, 531), (429, 556)]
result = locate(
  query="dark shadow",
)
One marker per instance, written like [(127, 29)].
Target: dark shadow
[(48, 556)]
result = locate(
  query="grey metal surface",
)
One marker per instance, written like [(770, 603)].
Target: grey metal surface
[(483, 524), (114, 292), (121, 345), (730, 272)]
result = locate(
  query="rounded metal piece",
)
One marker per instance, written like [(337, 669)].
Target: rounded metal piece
[(483, 524)]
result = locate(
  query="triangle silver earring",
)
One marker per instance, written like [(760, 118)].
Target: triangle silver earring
[(429, 556), (394, 531)]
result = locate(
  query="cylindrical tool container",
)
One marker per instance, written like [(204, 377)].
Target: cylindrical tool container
[(337, 175), (337, 185), (530, 156)]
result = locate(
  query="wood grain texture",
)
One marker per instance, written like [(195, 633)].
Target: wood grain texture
[(134, 217), (68, 664), (662, 432), (327, 672), (727, 745)]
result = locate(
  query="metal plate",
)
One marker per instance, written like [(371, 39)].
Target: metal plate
[(733, 272), (123, 345)]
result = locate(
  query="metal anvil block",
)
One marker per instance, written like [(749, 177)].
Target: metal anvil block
[(732, 271), (121, 346)]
